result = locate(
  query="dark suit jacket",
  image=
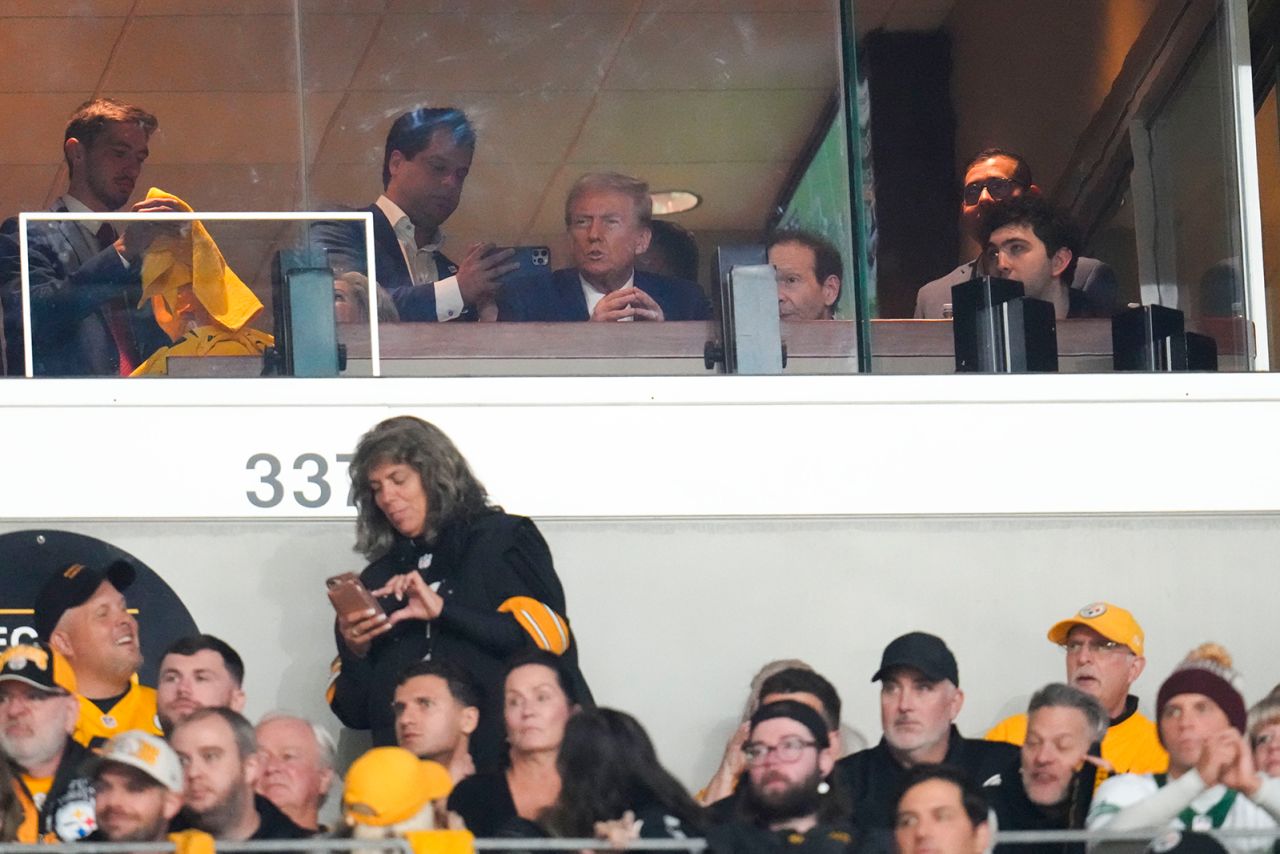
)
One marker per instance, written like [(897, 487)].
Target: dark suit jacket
[(560, 297), (1093, 279), (71, 281), (343, 241)]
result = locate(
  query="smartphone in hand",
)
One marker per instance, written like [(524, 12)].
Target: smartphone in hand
[(534, 261), (350, 597)]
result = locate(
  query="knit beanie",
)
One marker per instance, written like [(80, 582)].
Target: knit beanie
[(1207, 670)]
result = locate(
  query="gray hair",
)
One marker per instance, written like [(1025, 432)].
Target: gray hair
[(241, 729), (1264, 713), (325, 744), (615, 182), (324, 741), (453, 492), (1056, 695)]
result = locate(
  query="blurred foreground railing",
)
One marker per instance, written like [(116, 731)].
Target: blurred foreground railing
[(1104, 839)]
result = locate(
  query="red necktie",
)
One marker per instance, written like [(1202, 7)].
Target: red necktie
[(116, 312)]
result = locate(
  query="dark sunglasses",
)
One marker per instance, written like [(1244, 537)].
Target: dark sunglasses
[(998, 188)]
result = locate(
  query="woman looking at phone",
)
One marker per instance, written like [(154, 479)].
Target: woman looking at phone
[(457, 577)]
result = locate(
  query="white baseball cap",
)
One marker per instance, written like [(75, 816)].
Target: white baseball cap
[(148, 753)]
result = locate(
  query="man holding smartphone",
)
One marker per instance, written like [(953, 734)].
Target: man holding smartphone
[(427, 158)]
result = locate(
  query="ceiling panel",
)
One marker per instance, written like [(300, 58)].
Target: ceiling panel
[(499, 52), (44, 123), (222, 127), (699, 127), (727, 6), (738, 51), (64, 8), (84, 47), (332, 47), (516, 128), (26, 188), (503, 7), (200, 8), (218, 187), (211, 53)]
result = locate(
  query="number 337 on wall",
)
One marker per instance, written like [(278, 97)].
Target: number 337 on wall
[(307, 483)]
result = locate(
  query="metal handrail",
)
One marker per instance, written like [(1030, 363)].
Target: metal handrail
[(692, 845)]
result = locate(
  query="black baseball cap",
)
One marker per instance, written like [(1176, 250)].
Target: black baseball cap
[(922, 651), (30, 663), (72, 587)]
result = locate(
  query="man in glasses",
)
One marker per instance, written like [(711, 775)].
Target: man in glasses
[(786, 799), (993, 176), (1104, 647)]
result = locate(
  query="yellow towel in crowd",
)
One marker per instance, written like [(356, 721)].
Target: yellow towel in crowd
[(192, 258), (197, 299)]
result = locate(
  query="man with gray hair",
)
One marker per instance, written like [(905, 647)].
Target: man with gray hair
[(297, 766), (220, 767), (1052, 787), (608, 216)]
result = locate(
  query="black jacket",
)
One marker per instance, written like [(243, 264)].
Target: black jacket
[(1016, 811), (873, 777), (479, 565)]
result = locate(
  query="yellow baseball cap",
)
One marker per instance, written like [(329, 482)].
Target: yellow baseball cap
[(1111, 621), (388, 785)]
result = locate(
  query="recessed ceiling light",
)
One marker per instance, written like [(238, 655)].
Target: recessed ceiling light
[(667, 202)]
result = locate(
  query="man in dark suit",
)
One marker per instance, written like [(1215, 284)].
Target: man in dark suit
[(608, 217), (84, 276), (427, 157), (993, 176)]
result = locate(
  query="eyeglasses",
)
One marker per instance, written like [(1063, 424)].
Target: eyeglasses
[(788, 750), (1269, 740), (998, 188), (1096, 647)]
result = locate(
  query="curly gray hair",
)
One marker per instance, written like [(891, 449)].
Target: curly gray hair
[(453, 492)]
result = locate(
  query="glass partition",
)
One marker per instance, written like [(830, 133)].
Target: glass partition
[(743, 120), (1120, 115), (171, 293)]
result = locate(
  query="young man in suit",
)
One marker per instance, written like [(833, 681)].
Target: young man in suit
[(424, 166), (85, 276), (608, 218)]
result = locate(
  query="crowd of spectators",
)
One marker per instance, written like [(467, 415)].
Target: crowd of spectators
[(460, 660)]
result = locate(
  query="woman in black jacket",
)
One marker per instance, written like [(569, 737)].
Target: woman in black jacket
[(458, 578)]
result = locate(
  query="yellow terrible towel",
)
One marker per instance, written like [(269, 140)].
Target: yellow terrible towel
[(192, 258)]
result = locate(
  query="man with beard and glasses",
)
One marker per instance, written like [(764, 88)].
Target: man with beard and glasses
[(220, 767), (37, 717), (137, 780), (786, 801)]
